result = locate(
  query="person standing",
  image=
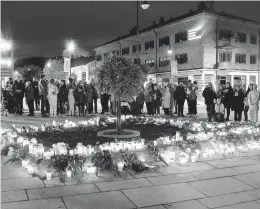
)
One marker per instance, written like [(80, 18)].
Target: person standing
[(188, 90), (53, 98), (220, 93), (171, 87), (209, 95), (19, 89), (43, 92), (175, 100), (148, 99), (166, 100), (227, 99), (10, 95), (193, 100), (246, 109), (238, 103), (80, 98), (180, 98), (94, 96), (62, 97), (157, 100), (29, 96), (36, 94), (219, 111), (71, 99), (140, 102), (104, 103), (253, 101), (89, 99)]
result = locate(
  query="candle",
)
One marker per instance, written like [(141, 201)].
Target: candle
[(193, 158), (71, 152), (24, 162), (42, 127), (143, 160), (54, 123), (155, 143), (98, 119), (120, 166), (69, 173), (30, 169), (48, 176), (91, 170), (177, 136)]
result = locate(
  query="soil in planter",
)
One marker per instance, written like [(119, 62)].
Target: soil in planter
[(89, 136)]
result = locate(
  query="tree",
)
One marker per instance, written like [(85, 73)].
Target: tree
[(56, 71), (120, 78), (28, 72)]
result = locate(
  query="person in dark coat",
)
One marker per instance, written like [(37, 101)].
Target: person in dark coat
[(19, 89), (10, 95), (140, 102), (36, 95), (188, 90), (180, 97), (94, 96), (80, 98), (210, 96), (29, 95), (43, 92), (175, 100), (227, 98), (246, 105), (62, 97), (238, 103), (104, 103), (89, 99), (157, 100)]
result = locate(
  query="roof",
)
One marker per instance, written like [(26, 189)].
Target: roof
[(181, 17)]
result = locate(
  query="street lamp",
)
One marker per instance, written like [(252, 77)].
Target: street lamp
[(145, 5), (6, 45), (170, 51), (70, 48)]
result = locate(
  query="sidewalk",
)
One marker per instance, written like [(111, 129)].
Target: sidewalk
[(232, 183)]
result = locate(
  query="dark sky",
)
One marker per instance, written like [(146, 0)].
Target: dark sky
[(42, 28)]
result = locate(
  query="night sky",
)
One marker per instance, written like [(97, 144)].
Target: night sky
[(42, 28)]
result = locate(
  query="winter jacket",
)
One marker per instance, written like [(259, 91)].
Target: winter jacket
[(227, 96), (238, 101), (19, 89), (29, 93), (43, 87), (140, 98), (166, 99), (80, 95), (193, 94), (89, 95), (35, 89), (94, 92), (219, 108), (148, 96), (209, 96), (253, 100), (63, 93), (180, 93)]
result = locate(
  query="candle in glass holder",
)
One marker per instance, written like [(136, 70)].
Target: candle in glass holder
[(43, 127), (193, 158), (178, 136), (155, 143), (31, 148), (48, 176), (71, 152), (120, 166), (69, 173), (30, 169)]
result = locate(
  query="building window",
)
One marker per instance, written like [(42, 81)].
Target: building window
[(253, 39), (165, 41), (116, 52), (225, 34), (137, 61), (149, 63), (106, 55), (98, 57), (149, 45), (181, 58), (241, 37), (252, 59), (125, 51), (225, 56), (241, 58), (135, 48), (180, 37), (164, 61)]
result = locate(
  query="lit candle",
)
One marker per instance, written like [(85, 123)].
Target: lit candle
[(91, 170), (43, 127), (31, 148), (24, 162), (120, 166), (177, 136), (30, 169), (155, 143), (98, 119), (193, 158), (48, 175), (69, 173), (71, 152)]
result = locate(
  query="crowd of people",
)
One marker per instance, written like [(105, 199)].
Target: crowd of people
[(79, 98), (226, 99)]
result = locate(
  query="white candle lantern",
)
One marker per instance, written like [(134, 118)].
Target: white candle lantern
[(91, 169), (20, 140), (43, 127), (120, 166), (30, 169), (54, 123), (69, 173), (24, 163), (48, 176), (98, 119), (71, 152), (128, 146), (193, 158), (178, 136), (155, 143), (31, 148)]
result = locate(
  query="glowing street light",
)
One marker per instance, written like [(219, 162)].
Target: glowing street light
[(145, 5), (169, 51), (71, 46), (48, 64), (7, 62), (5, 45)]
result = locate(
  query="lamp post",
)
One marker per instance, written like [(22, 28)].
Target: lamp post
[(70, 48)]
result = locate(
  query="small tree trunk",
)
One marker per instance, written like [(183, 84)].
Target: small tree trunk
[(118, 116)]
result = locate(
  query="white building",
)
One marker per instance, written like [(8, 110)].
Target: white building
[(206, 46)]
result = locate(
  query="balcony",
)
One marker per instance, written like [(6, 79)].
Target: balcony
[(227, 44)]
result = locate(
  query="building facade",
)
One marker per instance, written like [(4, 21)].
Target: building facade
[(201, 46), (84, 72)]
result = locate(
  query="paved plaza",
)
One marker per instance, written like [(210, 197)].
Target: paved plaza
[(230, 183)]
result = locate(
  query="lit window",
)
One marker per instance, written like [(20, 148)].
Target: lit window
[(163, 62), (181, 58), (241, 58), (149, 63), (252, 59)]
